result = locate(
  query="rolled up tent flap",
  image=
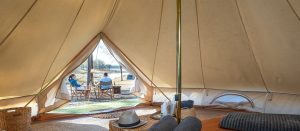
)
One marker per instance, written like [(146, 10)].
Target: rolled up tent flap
[(232, 47), (40, 38), (53, 96), (142, 83)]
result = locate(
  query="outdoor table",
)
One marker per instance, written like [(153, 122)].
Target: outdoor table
[(87, 91), (116, 89), (150, 121)]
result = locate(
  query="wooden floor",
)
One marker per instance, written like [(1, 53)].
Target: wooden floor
[(210, 119)]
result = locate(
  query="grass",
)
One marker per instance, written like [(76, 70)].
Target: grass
[(89, 107)]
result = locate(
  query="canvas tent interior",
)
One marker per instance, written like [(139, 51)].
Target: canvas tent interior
[(245, 47)]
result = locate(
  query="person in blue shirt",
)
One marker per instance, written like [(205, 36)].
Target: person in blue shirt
[(73, 82), (105, 79)]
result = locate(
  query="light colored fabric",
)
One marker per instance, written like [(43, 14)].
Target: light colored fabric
[(44, 35), (142, 82), (44, 42), (249, 46), (274, 32), (54, 98), (32, 47), (263, 102), (10, 13)]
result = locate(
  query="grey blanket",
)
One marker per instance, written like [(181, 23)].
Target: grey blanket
[(260, 122)]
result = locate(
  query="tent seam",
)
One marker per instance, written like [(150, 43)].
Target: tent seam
[(60, 75), (50, 67), (111, 13), (133, 64), (61, 45), (17, 97), (18, 23), (250, 47), (158, 38), (199, 45), (293, 9)]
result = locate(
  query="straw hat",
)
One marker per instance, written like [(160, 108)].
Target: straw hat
[(129, 119)]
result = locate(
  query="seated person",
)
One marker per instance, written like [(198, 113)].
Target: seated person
[(73, 82), (105, 79)]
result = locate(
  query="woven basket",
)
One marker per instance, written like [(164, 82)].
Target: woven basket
[(2, 121), (15, 119)]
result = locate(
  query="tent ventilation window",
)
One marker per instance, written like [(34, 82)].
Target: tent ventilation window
[(233, 100)]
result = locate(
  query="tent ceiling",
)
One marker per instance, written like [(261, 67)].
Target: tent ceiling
[(53, 31), (10, 13), (246, 45)]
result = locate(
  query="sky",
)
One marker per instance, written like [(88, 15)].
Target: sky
[(102, 53)]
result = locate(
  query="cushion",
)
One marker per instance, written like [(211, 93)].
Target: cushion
[(190, 123), (167, 123)]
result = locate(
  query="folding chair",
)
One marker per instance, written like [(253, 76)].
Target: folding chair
[(107, 91), (79, 93)]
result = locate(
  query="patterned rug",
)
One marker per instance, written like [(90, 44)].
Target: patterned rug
[(117, 114), (108, 115)]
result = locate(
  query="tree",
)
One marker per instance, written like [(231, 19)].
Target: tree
[(99, 64), (108, 66)]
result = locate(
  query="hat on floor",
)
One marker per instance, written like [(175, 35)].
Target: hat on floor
[(129, 119)]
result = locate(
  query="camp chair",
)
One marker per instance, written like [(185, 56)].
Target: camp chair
[(80, 93), (105, 92), (94, 91)]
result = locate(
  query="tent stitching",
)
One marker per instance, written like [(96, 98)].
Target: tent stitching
[(61, 45), (17, 97), (199, 44), (105, 36), (60, 75), (109, 45), (112, 12), (293, 9), (18, 23), (73, 60), (157, 41), (250, 47), (133, 64)]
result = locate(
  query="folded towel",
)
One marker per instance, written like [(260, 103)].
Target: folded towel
[(167, 123), (189, 123)]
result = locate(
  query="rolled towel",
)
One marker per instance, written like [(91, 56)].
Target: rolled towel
[(190, 123), (167, 123)]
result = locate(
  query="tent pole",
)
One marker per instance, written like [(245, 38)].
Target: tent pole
[(121, 72), (90, 80), (178, 61)]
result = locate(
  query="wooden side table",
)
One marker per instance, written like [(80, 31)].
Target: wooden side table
[(184, 113), (150, 122), (116, 89)]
